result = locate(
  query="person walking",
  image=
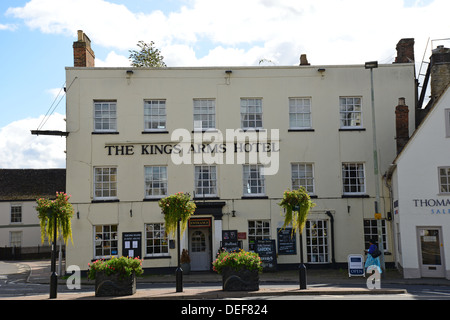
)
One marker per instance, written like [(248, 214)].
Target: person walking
[(373, 256)]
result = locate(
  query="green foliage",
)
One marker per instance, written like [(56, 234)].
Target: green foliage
[(147, 56), (239, 260), (297, 204), (61, 210), (177, 207), (124, 266)]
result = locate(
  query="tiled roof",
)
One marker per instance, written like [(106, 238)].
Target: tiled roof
[(31, 184)]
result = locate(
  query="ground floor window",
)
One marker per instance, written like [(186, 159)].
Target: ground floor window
[(257, 230), (317, 241), (15, 238), (106, 241), (371, 232), (156, 241)]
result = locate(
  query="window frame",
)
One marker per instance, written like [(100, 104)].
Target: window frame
[(210, 117), (260, 230), (160, 117), (447, 122), (107, 236), (298, 112), (212, 181), (313, 241), (105, 116), (311, 188), (163, 240), (109, 182), (247, 177), (447, 177), (246, 105), (373, 234), (16, 215), (162, 181), (344, 112), (358, 184)]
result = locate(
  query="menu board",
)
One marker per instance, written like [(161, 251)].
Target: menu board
[(267, 253), (287, 244), (230, 240)]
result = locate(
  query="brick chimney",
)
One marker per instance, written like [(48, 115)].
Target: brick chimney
[(304, 60), (401, 124), (83, 55), (405, 51)]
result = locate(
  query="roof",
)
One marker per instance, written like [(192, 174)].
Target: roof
[(31, 184)]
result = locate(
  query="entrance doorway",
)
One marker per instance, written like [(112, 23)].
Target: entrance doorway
[(431, 252), (200, 248)]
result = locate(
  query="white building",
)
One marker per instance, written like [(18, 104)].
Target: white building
[(314, 122)]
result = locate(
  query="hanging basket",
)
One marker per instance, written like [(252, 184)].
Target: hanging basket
[(177, 207), (297, 204)]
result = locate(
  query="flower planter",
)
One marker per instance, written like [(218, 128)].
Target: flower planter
[(242, 280), (114, 285)]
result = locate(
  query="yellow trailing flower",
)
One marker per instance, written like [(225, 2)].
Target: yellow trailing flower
[(297, 204)]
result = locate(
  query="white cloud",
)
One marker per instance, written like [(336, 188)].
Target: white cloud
[(113, 60), (20, 149), (243, 32), (10, 27)]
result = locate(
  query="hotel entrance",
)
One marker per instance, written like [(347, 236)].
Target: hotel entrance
[(200, 243), (431, 252)]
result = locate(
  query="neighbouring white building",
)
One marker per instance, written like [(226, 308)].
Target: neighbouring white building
[(307, 125), (420, 181)]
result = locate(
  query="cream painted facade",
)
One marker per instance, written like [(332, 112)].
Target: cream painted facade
[(421, 197), (323, 146)]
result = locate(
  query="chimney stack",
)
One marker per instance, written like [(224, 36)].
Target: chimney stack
[(405, 51), (83, 55), (401, 124), (440, 71), (304, 60)]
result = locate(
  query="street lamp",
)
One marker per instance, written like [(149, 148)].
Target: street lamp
[(373, 65)]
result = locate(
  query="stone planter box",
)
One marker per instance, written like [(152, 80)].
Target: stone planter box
[(114, 285), (242, 280)]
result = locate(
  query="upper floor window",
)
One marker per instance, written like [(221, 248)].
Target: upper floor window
[(299, 113), (155, 181), (205, 181), (251, 113), (204, 114), (105, 116), (154, 115), (105, 183), (353, 178), (253, 180), (350, 112), (302, 175), (16, 213), (444, 179)]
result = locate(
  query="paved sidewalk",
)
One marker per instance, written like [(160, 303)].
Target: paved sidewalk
[(320, 282)]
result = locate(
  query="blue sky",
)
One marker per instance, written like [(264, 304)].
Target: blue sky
[(37, 36)]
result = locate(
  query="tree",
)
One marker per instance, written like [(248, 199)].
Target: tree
[(147, 56)]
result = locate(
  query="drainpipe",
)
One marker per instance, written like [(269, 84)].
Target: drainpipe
[(333, 259)]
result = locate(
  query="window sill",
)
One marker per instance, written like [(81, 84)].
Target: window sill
[(301, 130), (152, 199), (104, 132), (105, 200), (157, 257), (355, 196), (352, 129), (250, 197), (155, 132)]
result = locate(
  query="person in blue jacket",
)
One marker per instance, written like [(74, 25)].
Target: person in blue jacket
[(372, 258)]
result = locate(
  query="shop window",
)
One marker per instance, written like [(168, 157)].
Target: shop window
[(257, 230), (156, 241), (106, 241)]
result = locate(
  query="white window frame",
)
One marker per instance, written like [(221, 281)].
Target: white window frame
[(205, 179), (350, 112), (156, 181), (16, 213), (107, 184), (251, 113), (258, 230), (104, 237), (302, 174), (352, 171), (253, 178), (155, 115), (156, 239), (105, 116), (204, 114), (300, 113), (15, 238), (317, 242), (444, 180)]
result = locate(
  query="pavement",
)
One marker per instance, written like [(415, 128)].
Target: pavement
[(207, 285)]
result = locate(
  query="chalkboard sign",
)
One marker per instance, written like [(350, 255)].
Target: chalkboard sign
[(286, 241), (131, 244), (231, 245), (267, 253), (229, 235)]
